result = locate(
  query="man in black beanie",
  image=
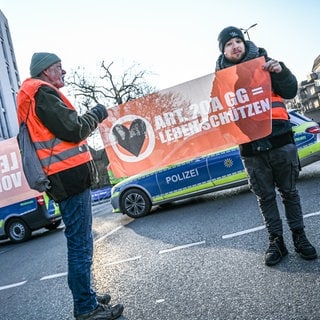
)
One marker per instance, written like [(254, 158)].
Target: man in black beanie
[(59, 134), (228, 33), (271, 162)]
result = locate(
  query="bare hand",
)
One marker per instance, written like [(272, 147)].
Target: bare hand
[(272, 66)]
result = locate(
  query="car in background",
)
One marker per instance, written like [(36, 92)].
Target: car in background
[(100, 195), (135, 196), (20, 219)]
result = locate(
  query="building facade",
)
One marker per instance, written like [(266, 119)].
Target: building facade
[(308, 99), (9, 83)]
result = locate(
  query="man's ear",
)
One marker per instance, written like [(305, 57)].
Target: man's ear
[(45, 71)]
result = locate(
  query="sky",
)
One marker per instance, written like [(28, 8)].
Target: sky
[(176, 40)]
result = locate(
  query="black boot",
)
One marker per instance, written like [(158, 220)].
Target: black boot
[(276, 251), (104, 299), (302, 245)]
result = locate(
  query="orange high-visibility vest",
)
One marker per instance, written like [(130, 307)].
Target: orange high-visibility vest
[(55, 155), (279, 110)]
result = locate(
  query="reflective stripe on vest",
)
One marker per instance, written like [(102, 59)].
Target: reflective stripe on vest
[(64, 155)]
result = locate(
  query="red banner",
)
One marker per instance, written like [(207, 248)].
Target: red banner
[(185, 121), (13, 184)]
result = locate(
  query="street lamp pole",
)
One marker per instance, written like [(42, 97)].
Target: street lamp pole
[(245, 31)]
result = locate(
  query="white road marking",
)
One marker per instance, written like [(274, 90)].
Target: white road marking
[(232, 235), (311, 214), (13, 285), (122, 261), (159, 300), (240, 233), (108, 234), (52, 276), (182, 247)]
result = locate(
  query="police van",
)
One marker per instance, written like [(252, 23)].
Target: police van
[(20, 219), (22, 210)]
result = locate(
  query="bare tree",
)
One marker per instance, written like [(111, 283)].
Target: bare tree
[(108, 88)]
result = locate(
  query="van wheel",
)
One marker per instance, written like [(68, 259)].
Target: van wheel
[(53, 226), (18, 231), (135, 203)]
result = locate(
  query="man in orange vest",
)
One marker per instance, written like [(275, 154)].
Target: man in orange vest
[(273, 160), (59, 135)]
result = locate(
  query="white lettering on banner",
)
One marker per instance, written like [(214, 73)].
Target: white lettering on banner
[(182, 176), (183, 131), (168, 119), (8, 163), (8, 182), (233, 114), (202, 109), (233, 100), (183, 123)]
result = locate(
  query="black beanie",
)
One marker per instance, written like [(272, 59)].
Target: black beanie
[(228, 33), (41, 61)]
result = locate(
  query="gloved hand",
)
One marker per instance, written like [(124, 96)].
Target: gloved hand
[(100, 111)]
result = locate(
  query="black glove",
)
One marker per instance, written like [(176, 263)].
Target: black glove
[(100, 111)]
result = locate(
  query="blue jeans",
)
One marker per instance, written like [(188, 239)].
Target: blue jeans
[(277, 168), (77, 216)]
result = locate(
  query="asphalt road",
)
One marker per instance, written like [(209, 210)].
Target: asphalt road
[(199, 259)]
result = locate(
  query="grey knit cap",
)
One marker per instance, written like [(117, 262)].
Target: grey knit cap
[(41, 61)]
